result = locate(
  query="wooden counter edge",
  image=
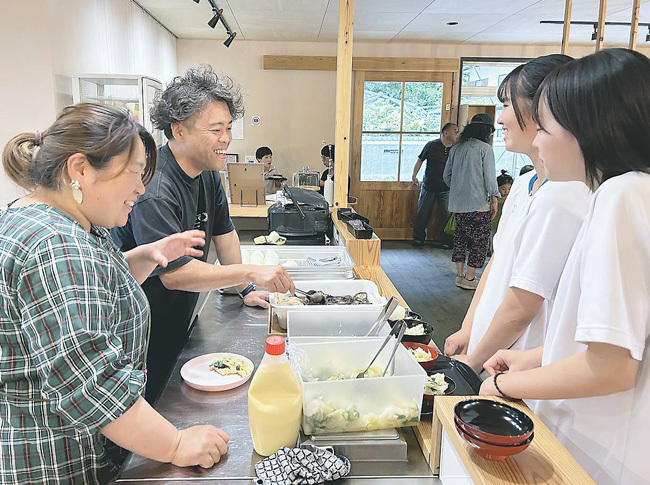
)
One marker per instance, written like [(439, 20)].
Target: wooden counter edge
[(566, 466)]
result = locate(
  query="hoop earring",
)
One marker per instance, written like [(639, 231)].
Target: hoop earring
[(77, 195)]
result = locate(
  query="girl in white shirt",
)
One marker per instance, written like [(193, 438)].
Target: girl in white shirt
[(591, 377), (539, 224)]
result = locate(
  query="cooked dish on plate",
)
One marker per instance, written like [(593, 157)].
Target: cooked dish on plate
[(416, 330), (420, 355), (229, 366), (435, 385)]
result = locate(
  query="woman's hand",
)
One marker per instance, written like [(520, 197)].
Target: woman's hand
[(458, 340), (257, 298), (173, 247), (200, 445), (494, 207), (513, 361)]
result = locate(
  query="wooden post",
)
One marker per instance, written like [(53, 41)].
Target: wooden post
[(601, 25), (343, 102), (634, 24), (567, 26)]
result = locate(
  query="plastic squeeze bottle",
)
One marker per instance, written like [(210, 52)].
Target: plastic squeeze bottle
[(328, 189), (274, 401)]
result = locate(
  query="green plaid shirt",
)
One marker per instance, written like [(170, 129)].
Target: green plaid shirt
[(73, 337)]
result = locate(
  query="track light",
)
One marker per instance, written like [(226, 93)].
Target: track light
[(215, 19), (594, 34), (230, 38)]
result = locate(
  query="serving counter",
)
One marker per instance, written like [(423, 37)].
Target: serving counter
[(225, 325)]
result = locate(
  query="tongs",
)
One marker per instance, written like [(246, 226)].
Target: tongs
[(312, 295), (384, 315), (399, 328)]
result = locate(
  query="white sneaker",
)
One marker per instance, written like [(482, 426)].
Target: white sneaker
[(468, 284), (459, 280)]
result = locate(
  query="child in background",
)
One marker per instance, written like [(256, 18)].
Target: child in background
[(264, 155), (504, 181)]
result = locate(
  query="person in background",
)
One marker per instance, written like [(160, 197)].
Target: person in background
[(433, 187), (591, 378), (504, 181), (525, 169), (195, 112), (74, 320), (473, 192), (327, 157), (264, 155), (538, 226)]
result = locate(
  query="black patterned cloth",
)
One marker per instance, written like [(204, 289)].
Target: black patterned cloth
[(297, 466)]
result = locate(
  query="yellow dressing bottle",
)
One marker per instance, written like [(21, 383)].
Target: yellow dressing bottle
[(274, 401)]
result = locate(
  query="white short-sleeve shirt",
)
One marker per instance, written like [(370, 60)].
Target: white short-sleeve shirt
[(604, 296), (530, 253)]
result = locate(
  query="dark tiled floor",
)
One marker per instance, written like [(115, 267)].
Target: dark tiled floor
[(424, 276)]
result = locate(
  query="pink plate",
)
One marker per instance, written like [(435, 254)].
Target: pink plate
[(197, 374)]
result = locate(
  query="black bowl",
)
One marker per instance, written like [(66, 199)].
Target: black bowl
[(410, 314), (493, 421), (421, 339)]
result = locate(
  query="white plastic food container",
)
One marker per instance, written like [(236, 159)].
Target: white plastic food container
[(334, 322), (335, 288), (356, 404)]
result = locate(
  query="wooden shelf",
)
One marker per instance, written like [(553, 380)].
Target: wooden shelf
[(259, 211), (544, 461)]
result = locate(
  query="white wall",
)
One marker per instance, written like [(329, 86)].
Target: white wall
[(26, 84), (298, 107), (46, 42)]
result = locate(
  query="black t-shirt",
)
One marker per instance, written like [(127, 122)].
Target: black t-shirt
[(435, 153), (173, 202)]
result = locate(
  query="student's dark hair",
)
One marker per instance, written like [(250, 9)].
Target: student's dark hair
[(505, 178), (97, 131), (262, 152), (480, 131), (446, 126), (526, 169), (328, 151), (190, 93), (603, 100), (519, 87)]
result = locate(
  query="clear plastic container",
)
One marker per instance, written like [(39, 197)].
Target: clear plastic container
[(337, 322), (331, 287), (355, 404)]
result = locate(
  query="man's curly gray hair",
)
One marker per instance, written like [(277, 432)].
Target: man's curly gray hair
[(188, 94)]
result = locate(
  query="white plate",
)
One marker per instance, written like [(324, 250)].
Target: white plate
[(197, 374)]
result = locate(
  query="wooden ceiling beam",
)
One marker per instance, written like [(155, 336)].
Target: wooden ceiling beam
[(328, 63)]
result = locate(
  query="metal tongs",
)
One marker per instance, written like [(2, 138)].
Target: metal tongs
[(384, 315), (399, 328)]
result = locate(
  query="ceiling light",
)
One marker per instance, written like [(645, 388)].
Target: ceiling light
[(230, 38), (594, 34), (452, 23), (214, 20)]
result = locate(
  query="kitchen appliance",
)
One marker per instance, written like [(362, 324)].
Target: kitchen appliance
[(307, 179), (304, 220)]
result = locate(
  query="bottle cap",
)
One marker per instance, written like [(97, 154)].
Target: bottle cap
[(275, 345)]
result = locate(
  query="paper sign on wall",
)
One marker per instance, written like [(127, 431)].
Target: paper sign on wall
[(238, 129)]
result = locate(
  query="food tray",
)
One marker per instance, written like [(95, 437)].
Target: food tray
[(343, 270), (356, 404), (337, 322), (331, 287)]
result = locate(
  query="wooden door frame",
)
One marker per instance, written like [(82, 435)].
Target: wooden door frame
[(360, 77)]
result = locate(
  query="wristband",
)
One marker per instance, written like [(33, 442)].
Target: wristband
[(496, 386), (247, 290)]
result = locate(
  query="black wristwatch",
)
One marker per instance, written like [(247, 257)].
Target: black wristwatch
[(247, 290)]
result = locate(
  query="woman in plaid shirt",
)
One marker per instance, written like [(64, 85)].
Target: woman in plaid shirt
[(73, 318)]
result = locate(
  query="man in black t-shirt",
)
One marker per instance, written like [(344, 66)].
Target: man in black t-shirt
[(195, 112), (433, 188)]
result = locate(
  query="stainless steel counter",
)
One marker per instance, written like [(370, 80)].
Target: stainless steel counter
[(225, 325)]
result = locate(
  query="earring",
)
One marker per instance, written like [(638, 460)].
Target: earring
[(77, 195)]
